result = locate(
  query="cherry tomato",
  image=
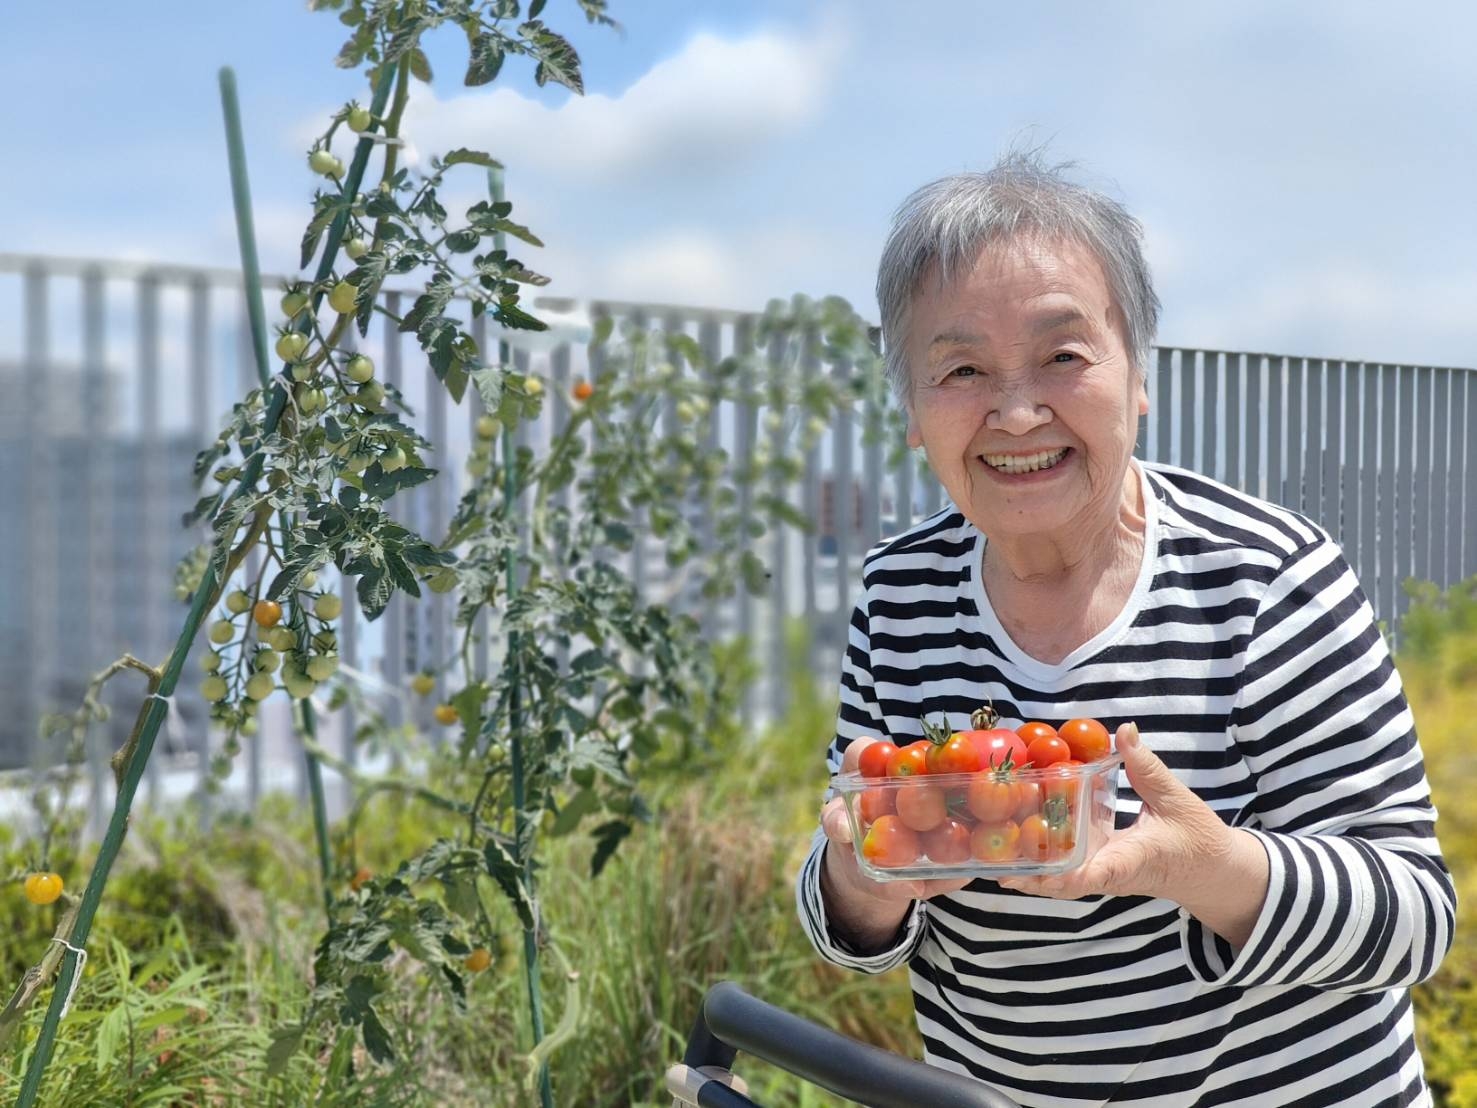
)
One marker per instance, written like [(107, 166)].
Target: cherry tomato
[(998, 747), (993, 797), (1029, 732), (478, 960), (890, 843), (921, 805), (267, 613), (328, 606), (343, 297), (947, 843), (1063, 785), (876, 803), (445, 714), (875, 757), (583, 390), (359, 369), (1034, 838), (996, 842), (423, 684), (359, 119), (1028, 800), (1087, 738), (1047, 750), (361, 875), (43, 888), (956, 754), (910, 760)]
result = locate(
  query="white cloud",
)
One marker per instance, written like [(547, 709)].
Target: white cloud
[(711, 105)]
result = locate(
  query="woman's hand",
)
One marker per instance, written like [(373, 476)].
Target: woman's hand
[(866, 912), (1178, 848)]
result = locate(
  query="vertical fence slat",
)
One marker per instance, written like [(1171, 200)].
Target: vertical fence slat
[(1333, 431), (1440, 471), (476, 410), (843, 505), (38, 572), (1276, 430), (1388, 582), (1190, 401), (871, 521), (1469, 462), (201, 374), (776, 643), (1405, 434), (1369, 436), (559, 413), (1457, 433), (1163, 401), (392, 665), (1293, 493), (1421, 471), (102, 580), (1223, 370), (746, 436), (1313, 415), (810, 492), (151, 514), (1253, 422), (1349, 496), (246, 380)]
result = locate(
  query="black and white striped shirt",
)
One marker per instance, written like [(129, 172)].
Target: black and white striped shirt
[(1250, 659)]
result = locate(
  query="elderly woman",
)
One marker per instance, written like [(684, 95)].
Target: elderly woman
[(1249, 932)]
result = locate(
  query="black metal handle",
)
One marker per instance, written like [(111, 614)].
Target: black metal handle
[(731, 1020)]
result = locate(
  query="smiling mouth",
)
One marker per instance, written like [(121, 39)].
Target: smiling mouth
[(1025, 463)]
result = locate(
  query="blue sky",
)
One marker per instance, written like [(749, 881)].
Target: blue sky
[(1305, 172)]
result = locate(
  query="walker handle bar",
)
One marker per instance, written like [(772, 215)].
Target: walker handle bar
[(731, 1020)]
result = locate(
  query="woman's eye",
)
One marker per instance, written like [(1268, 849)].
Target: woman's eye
[(1060, 355), (963, 371)]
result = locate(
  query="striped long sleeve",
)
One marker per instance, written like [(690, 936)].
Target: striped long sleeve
[(1359, 897)]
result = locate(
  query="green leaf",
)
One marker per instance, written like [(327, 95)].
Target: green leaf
[(599, 755), (503, 869), (286, 1041), (429, 304), (756, 576), (465, 156), (401, 575), (557, 60), (486, 59), (461, 242), (579, 806), (509, 314), (376, 1038), (608, 836), (374, 593), (420, 66)]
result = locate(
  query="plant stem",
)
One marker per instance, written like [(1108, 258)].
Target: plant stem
[(157, 705), (515, 720)]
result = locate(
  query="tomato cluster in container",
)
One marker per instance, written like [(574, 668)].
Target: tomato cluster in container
[(985, 802)]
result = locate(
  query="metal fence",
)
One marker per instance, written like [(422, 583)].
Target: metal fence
[(114, 373)]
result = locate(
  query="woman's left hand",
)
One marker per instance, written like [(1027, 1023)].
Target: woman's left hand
[(1178, 848)]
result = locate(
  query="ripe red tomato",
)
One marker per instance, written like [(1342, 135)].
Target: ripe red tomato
[(1029, 732), (1087, 738), (874, 758), (1064, 785), (998, 747), (1028, 800), (993, 797), (876, 803), (1035, 839), (890, 843), (947, 843), (996, 842), (921, 805), (956, 754), (1047, 750), (910, 760)]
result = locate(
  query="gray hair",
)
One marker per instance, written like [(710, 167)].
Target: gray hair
[(949, 221)]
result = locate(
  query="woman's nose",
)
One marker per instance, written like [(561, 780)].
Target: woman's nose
[(1018, 413)]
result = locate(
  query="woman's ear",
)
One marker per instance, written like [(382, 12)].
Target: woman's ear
[(915, 436)]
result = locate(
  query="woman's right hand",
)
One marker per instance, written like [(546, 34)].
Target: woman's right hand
[(867, 913)]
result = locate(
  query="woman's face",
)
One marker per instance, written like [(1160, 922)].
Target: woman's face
[(1023, 395)]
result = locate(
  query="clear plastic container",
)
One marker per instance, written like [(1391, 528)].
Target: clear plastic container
[(984, 824)]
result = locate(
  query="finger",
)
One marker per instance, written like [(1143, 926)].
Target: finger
[(852, 758), (834, 821), (1153, 781)]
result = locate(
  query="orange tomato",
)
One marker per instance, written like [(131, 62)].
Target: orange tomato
[(1087, 738)]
